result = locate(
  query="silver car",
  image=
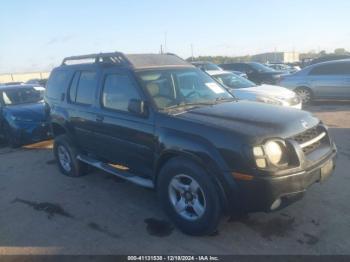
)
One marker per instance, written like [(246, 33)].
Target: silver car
[(328, 80)]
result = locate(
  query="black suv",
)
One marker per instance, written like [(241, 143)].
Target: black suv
[(159, 122), (256, 72)]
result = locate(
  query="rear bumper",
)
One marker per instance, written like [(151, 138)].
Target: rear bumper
[(32, 132), (260, 193)]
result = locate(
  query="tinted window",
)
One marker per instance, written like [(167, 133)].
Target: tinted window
[(58, 83), (118, 91), (86, 88), (73, 87), (331, 69)]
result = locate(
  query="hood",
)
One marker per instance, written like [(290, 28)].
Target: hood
[(34, 111), (256, 120), (267, 90)]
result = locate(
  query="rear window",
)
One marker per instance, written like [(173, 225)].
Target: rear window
[(58, 83)]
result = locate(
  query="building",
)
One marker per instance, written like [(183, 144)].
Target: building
[(277, 57)]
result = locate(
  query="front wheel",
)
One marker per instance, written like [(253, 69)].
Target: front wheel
[(305, 94), (189, 196)]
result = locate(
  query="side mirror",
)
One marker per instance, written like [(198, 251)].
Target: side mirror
[(137, 107)]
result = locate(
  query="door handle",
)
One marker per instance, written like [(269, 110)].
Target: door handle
[(99, 118)]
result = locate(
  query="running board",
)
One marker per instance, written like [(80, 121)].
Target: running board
[(114, 171)]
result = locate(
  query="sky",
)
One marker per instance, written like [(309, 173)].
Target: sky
[(35, 35)]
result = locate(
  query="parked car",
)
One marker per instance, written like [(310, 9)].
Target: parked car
[(329, 57), (208, 66), (37, 82), (328, 80), (284, 68), (205, 65), (256, 72), (11, 83), (22, 114), (246, 90), (159, 122)]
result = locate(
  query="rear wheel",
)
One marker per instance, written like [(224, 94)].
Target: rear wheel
[(305, 94), (66, 157), (189, 197)]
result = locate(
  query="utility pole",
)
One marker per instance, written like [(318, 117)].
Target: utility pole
[(192, 57), (165, 42)]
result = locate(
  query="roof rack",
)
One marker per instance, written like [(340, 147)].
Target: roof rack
[(110, 58)]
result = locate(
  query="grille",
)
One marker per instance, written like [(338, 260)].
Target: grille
[(309, 135)]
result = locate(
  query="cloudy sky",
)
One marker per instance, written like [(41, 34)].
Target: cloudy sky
[(35, 35)]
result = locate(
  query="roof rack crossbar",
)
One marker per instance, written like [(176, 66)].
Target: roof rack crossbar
[(114, 58)]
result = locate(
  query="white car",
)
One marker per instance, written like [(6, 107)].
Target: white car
[(246, 90)]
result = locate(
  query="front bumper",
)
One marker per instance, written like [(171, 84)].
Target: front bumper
[(260, 193)]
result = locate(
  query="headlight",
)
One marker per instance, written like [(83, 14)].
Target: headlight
[(273, 152), (268, 100)]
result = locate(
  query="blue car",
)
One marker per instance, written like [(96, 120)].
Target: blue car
[(22, 114)]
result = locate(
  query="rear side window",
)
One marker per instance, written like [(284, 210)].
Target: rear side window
[(58, 83), (331, 69), (118, 90), (85, 93)]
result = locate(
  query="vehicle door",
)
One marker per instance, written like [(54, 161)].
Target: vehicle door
[(330, 80), (81, 106), (124, 138)]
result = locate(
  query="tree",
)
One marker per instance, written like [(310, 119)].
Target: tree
[(340, 51)]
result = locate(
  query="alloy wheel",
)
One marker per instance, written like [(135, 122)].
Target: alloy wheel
[(64, 158), (187, 197)]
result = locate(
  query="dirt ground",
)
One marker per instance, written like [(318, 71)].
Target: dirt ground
[(44, 212)]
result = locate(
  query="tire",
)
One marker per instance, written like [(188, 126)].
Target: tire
[(66, 157), (10, 137), (305, 94), (199, 211)]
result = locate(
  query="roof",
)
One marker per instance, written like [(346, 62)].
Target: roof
[(136, 61), (156, 60), (201, 62)]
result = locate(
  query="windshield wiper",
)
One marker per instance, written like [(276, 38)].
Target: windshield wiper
[(225, 99), (203, 103), (192, 105)]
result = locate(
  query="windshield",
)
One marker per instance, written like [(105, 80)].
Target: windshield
[(180, 87), (262, 68), (22, 96), (233, 81)]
